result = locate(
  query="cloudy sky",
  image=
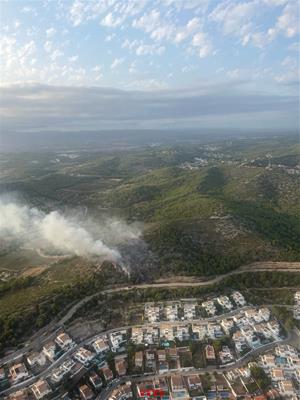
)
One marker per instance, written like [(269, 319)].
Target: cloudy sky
[(93, 64)]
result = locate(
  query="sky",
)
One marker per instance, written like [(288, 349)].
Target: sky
[(112, 64)]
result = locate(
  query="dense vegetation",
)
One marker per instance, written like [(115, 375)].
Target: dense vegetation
[(261, 378)]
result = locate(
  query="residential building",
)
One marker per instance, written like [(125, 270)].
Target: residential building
[(84, 356), (286, 388), (274, 327), (209, 307), (18, 372), (285, 350), (181, 332), (137, 335), (214, 330), (100, 345), (194, 382), (150, 359), (151, 335), (120, 365), (199, 331), (277, 374), (238, 299), (152, 312), (161, 384), (178, 388), (239, 341), (86, 392), (40, 389), (107, 373), (226, 355), (163, 366), (123, 392), (64, 341), (189, 310), (58, 374), (36, 358), (244, 372), (95, 380), (267, 361), (171, 311), (225, 302), (227, 325), (49, 349), (173, 354), (64, 369), (19, 395), (161, 355), (144, 389), (264, 313), (297, 305), (117, 340), (177, 383), (210, 354), (166, 332)]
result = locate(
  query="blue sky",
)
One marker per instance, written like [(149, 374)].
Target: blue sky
[(242, 47)]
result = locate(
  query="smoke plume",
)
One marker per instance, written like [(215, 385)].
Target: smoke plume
[(57, 232)]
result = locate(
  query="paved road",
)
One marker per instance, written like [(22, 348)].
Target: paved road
[(293, 267), (39, 337)]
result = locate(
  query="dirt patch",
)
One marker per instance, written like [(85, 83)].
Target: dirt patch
[(181, 279), (34, 271), (272, 265), (81, 329)]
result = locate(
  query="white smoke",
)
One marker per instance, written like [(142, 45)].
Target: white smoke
[(64, 234)]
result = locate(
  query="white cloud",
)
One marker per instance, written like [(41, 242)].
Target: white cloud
[(50, 32), (150, 84), (287, 24), (110, 21), (147, 22), (17, 24), (203, 44), (133, 68), (116, 63), (127, 44), (235, 18), (16, 60), (56, 54), (109, 38), (97, 68), (148, 49), (190, 27), (275, 3), (291, 71), (77, 12), (162, 32), (73, 59), (48, 46), (288, 21), (98, 72)]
